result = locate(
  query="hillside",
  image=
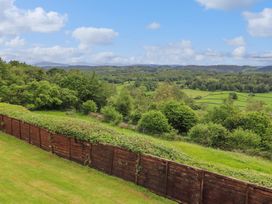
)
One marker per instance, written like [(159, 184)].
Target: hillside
[(30, 175), (248, 168)]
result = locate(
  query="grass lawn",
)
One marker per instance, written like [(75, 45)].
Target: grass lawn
[(241, 166), (30, 175)]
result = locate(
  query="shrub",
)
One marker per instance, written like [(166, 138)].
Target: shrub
[(111, 115), (244, 139), (233, 96), (234, 121), (180, 116), (135, 117), (89, 106), (220, 114), (124, 103), (212, 135), (154, 122), (267, 140), (256, 121)]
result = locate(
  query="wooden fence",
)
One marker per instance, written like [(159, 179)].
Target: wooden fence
[(176, 181)]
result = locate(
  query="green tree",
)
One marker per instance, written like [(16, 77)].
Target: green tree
[(210, 134), (111, 115), (154, 122), (180, 116), (124, 103), (244, 139), (89, 106)]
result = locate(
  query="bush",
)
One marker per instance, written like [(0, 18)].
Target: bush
[(135, 117), (233, 96), (124, 103), (212, 135), (89, 106), (111, 115), (267, 140), (220, 114), (244, 139), (180, 116), (154, 122), (257, 122)]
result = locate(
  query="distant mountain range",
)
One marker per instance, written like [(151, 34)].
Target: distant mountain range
[(219, 68)]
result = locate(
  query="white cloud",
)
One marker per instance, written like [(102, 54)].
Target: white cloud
[(259, 24), (239, 52), (173, 53), (226, 4), (154, 26), (90, 36), (14, 20), (15, 42), (38, 54), (181, 53), (238, 41)]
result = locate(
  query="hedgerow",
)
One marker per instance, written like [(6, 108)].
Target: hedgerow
[(92, 132)]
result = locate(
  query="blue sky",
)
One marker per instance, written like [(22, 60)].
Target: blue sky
[(121, 32)]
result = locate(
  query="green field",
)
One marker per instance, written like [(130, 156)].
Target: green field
[(241, 166), (30, 175), (216, 98)]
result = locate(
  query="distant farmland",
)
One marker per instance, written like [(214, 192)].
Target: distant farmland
[(216, 98)]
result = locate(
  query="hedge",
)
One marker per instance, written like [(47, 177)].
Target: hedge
[(92, 132)]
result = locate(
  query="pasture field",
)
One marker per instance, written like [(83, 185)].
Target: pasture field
[(216, 98), (31, 175), (234, 164)]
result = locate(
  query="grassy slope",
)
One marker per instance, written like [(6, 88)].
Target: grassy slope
[(30, 175), (216, 98), (237, 165)]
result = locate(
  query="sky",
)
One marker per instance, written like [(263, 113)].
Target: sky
[(128, 32)]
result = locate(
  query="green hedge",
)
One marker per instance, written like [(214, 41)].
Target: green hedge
[(92, 132)]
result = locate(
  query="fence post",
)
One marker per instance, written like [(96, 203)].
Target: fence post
[(137, 168), (202, 186), (113, 154), (20, 132), (166, 177), (29, 138), (247, 193), (40, 138), (91, 154), (70, 151)]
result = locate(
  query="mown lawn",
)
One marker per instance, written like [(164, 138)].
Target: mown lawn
[(30, 175), (238, 165)]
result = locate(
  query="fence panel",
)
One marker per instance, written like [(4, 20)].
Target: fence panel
[(153, 174), (102, 157), (16, 130), (124, 164), (34, 134), (220, 189), (61, 145), (77, 151), (259, 195), (184, 183), (7, 125), (45, 137), (25, 127)]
